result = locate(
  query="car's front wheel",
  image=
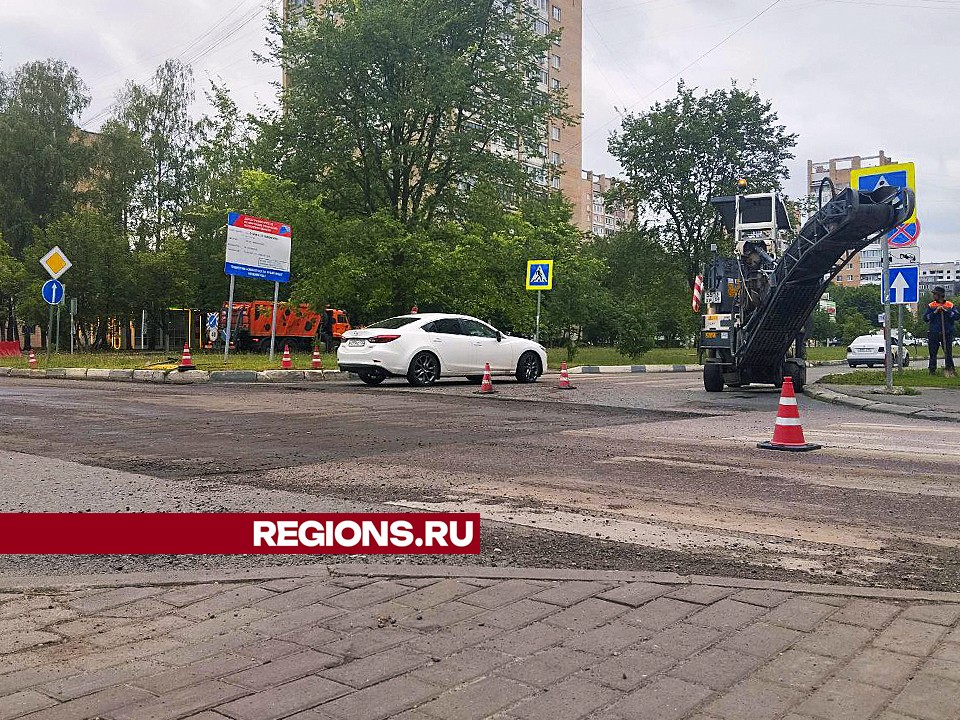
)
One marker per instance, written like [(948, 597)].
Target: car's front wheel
[(528, 367), (424, 369), (372, 377)]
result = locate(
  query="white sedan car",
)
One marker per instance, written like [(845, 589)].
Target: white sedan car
[(426, 347), (869, 350)]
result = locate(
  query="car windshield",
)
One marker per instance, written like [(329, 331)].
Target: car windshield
[(393, 323)]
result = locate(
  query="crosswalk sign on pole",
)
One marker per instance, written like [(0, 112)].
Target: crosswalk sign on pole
[(901, 175), (539, 274)]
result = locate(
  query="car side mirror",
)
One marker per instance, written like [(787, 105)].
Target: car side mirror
[(499, 336)]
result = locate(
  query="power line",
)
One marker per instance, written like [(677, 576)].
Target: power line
[(226, 36), (686, 67)]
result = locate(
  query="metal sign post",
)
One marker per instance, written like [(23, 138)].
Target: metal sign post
[(73, 326), (899, 338), (885, 284), (536, 332), (59, 304), (539, 278), (226, 340), (273, 322)]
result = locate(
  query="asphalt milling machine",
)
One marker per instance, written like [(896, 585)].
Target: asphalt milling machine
[(758, 303)]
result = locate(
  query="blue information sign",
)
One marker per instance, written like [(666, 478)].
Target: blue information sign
[(904, 284), (52, 292)]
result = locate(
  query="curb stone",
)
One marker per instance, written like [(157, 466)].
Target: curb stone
[(187, 377), (233, 376), (279, 375), (837, 398), (610, 369), (175, 376), (187, 577)]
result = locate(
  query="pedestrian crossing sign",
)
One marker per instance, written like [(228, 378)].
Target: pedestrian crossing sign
[(539, 274), (901, 175)]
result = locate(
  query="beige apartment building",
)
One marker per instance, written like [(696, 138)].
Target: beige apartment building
[(594, 215), (864, 267)]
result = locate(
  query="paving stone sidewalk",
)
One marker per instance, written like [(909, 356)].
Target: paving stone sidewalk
[(432, 642)]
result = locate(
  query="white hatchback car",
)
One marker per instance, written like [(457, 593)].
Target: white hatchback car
[(426, 347), (869, 350)]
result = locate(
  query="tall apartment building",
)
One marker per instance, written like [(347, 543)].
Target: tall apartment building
[(594, 215), (561, 68), (946, 274), (865, 267)]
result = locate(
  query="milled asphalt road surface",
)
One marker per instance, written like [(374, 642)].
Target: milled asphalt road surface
[(646, 473)]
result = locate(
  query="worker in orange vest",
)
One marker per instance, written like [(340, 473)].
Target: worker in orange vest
[(940, 316)]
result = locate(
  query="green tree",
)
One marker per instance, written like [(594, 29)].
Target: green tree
[(401, 105), (43, 155), (652, 297), (121, 167), (825, 327), (13, 280), (863, 301), (101, 277), (158, 115), (853, 325), (682, 152)]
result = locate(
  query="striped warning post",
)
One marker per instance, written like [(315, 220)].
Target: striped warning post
[(788, 432), (697, 293)]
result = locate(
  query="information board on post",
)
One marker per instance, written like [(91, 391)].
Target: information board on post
[(256, 248)]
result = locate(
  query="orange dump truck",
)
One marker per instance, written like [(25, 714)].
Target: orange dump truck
[(297, 325)]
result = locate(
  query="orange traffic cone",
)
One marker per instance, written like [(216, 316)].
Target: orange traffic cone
[(285, 362), (787, 432), (186, 362), (486, 386), (32, 361), (565, 378), (316, 362)]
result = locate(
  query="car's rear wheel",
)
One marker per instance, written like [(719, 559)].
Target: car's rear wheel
[(424, 369), (528, 367), (372, 377)]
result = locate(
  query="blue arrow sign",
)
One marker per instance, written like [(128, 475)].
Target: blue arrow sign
[(904, 284), (52, 292)]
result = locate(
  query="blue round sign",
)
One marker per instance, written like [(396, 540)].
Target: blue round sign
[(52, 292)]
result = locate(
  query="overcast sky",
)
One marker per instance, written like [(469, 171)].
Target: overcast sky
[(851, 77)]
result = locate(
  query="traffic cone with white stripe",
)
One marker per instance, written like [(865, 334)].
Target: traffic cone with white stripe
[(32, 361), (286, 362), (486, 386), (316, 362), (564, 383), (787, 432), (186, 361)]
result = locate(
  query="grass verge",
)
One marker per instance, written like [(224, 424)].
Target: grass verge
[(906, 379)]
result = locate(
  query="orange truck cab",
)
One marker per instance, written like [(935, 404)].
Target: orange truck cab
[(297, 325)]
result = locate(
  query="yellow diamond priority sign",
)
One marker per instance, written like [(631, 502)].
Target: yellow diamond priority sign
[(55, 263)]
